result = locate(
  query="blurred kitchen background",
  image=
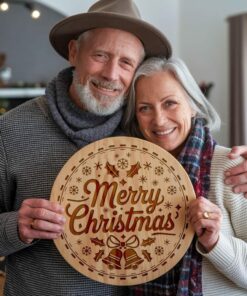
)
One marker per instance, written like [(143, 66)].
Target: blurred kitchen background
[(199, 31)]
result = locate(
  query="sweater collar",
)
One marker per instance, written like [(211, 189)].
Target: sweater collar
[(80, 126)]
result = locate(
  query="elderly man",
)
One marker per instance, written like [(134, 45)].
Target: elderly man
[(82, 104)]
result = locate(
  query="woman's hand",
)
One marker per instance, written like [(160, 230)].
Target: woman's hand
[(205, 218), (40, 219), (237, 176)]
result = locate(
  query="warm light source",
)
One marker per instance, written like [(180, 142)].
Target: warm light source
[(4, 6), (35, 14)]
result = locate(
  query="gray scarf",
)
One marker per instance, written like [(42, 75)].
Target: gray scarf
[(79, 125)]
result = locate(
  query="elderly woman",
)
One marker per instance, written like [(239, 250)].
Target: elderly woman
[(167, 108)]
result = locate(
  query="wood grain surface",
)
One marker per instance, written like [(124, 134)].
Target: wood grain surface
[(125, 202)]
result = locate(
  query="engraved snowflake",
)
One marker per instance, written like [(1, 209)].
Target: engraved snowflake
[(171, 190), (73, 190), (159, 171), (79, 242), (159, 250), (86, 170), (147, 165), (143, 179), (98, 165), (79, 180), (168, 205), (86, 250), (155, 183), (167, 180), (167, 242), (122, 163)]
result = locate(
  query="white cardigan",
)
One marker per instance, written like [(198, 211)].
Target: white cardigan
[(224, 269)]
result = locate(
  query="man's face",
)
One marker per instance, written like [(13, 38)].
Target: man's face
[(105, 62)]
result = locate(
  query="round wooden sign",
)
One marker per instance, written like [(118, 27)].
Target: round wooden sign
[(125, 202)]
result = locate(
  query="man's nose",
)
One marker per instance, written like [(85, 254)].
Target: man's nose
[(111, 70)]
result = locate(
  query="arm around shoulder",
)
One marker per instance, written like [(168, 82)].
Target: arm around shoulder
[(229, 255)]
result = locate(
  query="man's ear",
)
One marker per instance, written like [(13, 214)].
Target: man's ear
[(73, 52)]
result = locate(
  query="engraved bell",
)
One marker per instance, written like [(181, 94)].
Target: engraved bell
[(113, 259), (132, 260)]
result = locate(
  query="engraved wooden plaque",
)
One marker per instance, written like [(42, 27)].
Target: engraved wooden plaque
[(125, 202)]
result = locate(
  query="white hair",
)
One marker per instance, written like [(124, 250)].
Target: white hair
[(196, 98)]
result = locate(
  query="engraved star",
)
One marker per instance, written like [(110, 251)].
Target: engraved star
[(178, 207), (167, 180), (79, 180), (123, 182), (128, 154)]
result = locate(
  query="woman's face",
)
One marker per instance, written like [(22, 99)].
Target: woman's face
[(163, 111)]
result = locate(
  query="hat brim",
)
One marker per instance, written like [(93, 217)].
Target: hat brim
[(154, 42)]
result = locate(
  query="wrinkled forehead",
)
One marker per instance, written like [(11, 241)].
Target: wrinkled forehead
[(112, 36)]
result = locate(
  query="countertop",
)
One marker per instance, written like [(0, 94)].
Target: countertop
[(25, 93)]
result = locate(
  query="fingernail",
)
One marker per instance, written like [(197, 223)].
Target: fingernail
[(227, 174), (62, 219), (61, 209), (236, 190), (227, 181)]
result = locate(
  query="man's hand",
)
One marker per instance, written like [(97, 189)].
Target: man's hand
[(40, 219), (205, 218), (237, 176)]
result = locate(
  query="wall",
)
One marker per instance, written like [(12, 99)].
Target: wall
[(198, 32), (204, 46), (163, 14), (25, 41)]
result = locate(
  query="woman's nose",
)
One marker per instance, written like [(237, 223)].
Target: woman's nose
[(160, 117)]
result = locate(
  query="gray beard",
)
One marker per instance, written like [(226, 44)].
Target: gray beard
[(94, 105)]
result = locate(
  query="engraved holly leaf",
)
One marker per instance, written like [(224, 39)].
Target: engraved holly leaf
[(98, 242), (147, 242), (98, 255), (147, 255), (134, 170), (112, 170)]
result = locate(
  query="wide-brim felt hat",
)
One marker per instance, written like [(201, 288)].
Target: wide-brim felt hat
[(118, 14)]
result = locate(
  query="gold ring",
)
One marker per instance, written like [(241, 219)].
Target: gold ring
[(206, 215)]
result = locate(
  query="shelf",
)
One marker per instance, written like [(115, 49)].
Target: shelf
[(18, 93)]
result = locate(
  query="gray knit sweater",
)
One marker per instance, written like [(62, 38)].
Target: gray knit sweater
[(33, 149)]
